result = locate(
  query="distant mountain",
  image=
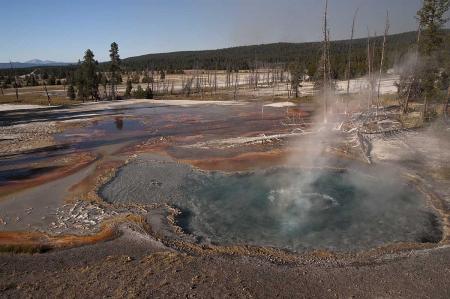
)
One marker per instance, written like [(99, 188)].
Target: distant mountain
[(31, 63)]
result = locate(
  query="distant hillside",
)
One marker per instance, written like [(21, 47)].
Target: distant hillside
[(246, 57), (308, 54)]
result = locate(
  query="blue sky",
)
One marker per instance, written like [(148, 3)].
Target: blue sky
[(62, 30)]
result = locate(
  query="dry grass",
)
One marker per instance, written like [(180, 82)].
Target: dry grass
[(412, 120), (389, 100), (36, 99)]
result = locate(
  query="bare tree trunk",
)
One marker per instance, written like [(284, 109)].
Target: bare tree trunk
[(256, 74), (325, 64), (215, 80), (349, 59), (274, 82), (447, 105), (236, 83), (148, 79), (412, 77), (153, 81), (369, 67), (386, 31), (329, 58), (16, 87), (46, 91), (349, 62), (372, 67), (425, 109)]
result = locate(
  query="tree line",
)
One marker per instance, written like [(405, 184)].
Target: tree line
[(249, 57), (426, 75)]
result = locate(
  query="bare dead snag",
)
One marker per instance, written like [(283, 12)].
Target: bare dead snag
[(48, 96), (16, 85), (412, 78), (447, 105), (425, 108), (369, 66), (386, 31), (325, 62), (349, 59), (16, 88), (236, 83)]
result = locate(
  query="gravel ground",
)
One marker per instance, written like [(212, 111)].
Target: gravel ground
[(132, 266)]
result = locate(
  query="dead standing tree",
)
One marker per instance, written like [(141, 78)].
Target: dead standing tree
[(46, 92), (386, 31), (325, 61), (369, 67), (16, 85), (349, 59), (236, 85), (412, 77), (372, 66)]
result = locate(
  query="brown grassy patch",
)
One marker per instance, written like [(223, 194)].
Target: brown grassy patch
[(36, 98), (389, 100), (412, 120), (441, 173)]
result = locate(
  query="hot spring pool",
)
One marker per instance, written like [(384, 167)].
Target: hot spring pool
[(294, 209)]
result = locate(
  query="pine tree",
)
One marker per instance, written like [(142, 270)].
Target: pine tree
[(71, 92), (86, 77), (129, 88), (51, 80), (114, 68), (296, 77), (139, 93), (104, 83), (148, 93), (431, 19)]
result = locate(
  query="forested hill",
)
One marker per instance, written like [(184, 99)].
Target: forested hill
[(246, 57), (308, 54)]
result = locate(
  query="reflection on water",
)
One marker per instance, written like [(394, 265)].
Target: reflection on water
[(119, 123)]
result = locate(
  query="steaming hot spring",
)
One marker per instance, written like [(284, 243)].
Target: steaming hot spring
[(290, 208)]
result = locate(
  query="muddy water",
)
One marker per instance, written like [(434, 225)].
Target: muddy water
[(287, 208)]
